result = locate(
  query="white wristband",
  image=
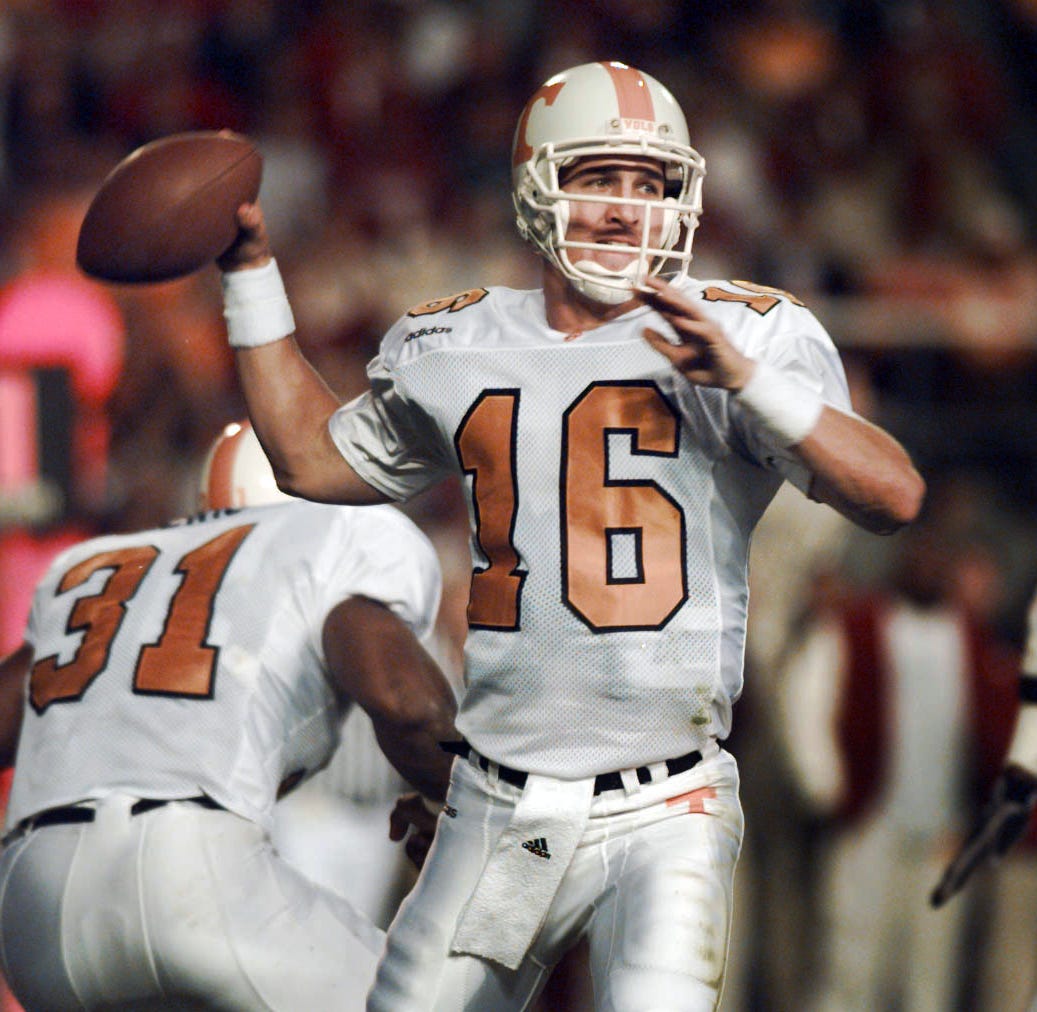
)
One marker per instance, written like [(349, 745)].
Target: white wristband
[(255, 306), (787, 410)]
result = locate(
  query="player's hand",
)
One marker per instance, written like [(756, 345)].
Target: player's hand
[(1004, 820), (251, 248), (412, 818), (704, 355)]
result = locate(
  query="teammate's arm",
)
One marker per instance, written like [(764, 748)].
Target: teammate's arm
[(289, 403), (858, 468), (375, 659), (413, 820), (14, 671)]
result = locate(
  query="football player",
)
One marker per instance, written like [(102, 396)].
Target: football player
[(175, 683), (618, 433)]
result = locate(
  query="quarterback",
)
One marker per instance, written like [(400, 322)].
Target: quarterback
[(618, 433)]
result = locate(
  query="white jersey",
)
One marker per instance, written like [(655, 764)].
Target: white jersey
[(189, 659), (610, 500)]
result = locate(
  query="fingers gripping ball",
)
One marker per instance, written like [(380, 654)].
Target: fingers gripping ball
[(169, 207)]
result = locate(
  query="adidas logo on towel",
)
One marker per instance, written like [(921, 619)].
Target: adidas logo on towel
[(538, 847)]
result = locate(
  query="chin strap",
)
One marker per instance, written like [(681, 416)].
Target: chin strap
[(610, 295)]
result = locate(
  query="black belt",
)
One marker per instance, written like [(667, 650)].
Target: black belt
[(602, 782), (68, 815), (147, 804)]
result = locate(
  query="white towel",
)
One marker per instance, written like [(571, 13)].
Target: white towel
[(522, 875)]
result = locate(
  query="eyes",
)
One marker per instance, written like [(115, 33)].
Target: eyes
[(644, 184)]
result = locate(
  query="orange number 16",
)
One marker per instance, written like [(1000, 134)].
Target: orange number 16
[(597, 511)]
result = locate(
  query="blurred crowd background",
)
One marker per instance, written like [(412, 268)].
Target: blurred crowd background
[(874, 157)]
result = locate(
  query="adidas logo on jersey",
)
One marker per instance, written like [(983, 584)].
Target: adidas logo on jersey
[(426, 332), (538, 847)]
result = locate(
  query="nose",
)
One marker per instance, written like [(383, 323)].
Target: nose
[(623, 210)]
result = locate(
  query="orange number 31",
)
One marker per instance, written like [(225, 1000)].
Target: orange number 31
[(181, 663)]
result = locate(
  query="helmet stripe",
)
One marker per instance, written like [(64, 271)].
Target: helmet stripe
[(635, 100), (220, 489)]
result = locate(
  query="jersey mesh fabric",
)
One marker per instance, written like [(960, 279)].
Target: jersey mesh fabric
[(561, 692)]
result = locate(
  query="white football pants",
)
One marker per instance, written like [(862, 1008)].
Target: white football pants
[(650, 887), (180, 908)]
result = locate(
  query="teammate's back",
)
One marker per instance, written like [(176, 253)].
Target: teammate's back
[(188, 660)]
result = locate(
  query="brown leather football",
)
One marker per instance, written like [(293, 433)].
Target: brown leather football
[(168, 208)]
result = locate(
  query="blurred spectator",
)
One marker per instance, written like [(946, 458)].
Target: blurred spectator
[(897, 705)]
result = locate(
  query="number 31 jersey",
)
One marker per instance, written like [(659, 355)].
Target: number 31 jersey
[(611, 504), (189, 659)]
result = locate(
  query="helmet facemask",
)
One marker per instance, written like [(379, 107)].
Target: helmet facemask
[(543, 209)]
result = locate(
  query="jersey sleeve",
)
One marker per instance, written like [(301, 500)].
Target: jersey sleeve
[(386, 558), (386, 439), (797, 344)]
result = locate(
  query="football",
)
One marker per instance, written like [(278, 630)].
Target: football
[(168, 208)]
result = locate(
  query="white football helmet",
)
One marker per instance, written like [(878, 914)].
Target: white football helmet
[(237, 473), (601, 109)]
